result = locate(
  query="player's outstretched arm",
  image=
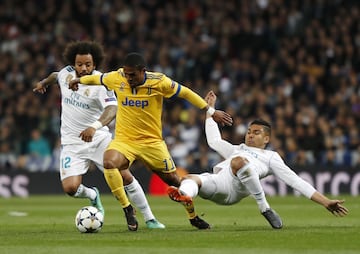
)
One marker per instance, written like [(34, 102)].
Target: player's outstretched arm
[(210, 98), (218, 115), (332, 205), (41, 86), (85, 80)]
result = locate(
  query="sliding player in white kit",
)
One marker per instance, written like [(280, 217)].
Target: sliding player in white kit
[(238, 176), (84, 132)]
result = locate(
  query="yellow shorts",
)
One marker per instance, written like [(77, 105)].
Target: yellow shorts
[(155, 156)]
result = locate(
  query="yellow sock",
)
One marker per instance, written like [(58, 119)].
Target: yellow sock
[(116, 184), (190, 210)]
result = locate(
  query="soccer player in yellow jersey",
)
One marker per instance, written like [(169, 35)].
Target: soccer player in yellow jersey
[(138, 130)]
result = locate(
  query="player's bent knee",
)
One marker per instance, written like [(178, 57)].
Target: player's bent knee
[(109, 164), (238, 163)]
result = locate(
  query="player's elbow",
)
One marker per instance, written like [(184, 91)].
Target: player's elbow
[(214, 144)]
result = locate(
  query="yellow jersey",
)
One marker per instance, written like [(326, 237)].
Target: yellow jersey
[(139, 112)]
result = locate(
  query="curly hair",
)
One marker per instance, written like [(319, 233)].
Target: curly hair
[(83, 48)]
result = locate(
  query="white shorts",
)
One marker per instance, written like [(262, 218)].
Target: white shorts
[(76, 159), (222, 188)]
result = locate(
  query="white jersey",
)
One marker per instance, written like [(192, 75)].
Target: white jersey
[(265, 162), (81, 108)]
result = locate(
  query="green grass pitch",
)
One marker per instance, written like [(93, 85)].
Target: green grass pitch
[(45, 224)]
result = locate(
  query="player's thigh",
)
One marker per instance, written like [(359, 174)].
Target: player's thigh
[(156, 157), (118, 155), (215, 187), (208, 186), (73, 161), (97, 149)]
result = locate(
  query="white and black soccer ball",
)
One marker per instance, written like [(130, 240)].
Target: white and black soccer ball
[(89, 220)]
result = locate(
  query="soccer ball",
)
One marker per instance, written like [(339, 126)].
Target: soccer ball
[(89, 220)]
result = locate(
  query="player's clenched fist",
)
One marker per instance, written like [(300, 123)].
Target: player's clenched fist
[(74, 84)]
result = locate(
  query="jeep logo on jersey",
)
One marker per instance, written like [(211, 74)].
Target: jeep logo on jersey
[(135, 103)]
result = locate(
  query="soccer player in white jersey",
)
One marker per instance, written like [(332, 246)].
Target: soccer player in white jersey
[(84, 132), (238, 176)]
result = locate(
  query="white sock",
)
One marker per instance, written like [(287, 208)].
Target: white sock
[(189, 187), (137, 196), (85, 192), (250, 179)]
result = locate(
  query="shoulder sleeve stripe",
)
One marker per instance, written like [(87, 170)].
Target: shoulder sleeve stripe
[(177, 91), (69, 68), (101, 82), (101, 79)]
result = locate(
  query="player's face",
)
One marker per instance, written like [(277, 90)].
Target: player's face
[(134, 76), (84, 65), (256, 136)]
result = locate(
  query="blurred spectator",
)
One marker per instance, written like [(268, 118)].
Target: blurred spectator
[(38, 156), (189, 130), (178, 149), (55, 156), (8, 159)]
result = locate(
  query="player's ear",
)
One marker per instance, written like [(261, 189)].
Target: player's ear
[(266, 139)]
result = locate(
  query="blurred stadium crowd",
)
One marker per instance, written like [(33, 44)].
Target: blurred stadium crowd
[(294, 63)]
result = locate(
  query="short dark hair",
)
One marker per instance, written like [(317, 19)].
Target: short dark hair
[(135, 60), (83, 48), (266, 125)]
